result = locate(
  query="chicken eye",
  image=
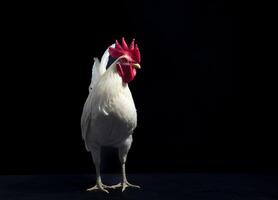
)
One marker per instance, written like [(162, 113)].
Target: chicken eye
[(125, 62)]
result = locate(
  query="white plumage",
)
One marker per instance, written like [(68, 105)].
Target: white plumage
[(109, 116)]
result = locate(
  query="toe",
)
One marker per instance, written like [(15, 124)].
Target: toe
[(112, 186), (116, 186), (124, 187), (131, 185), (97, 187), (92, 188), (104, 190)]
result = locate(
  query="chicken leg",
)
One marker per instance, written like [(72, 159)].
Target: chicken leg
[(99, 185), (123, 151)]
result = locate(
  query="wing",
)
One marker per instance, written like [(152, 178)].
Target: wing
[(86, 116)]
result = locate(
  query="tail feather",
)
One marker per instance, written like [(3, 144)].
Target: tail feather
[(99, 68), (95, 73)]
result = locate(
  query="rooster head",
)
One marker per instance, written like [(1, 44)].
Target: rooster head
[(129, 59)]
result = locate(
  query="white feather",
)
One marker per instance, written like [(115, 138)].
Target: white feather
[(109, 114), (99, 68)]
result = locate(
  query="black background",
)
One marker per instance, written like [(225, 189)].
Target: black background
[(193, 112)]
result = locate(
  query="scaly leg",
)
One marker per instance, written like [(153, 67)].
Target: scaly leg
[(125, 183), (96, 158), (123, 151)]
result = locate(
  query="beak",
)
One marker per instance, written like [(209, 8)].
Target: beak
[(136, 66)]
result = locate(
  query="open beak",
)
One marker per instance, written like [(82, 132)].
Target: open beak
[(136, 66)]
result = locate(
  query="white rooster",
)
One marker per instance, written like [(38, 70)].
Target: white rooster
[(109, 115)]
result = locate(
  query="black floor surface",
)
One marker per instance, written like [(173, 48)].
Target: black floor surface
[(197, 186)]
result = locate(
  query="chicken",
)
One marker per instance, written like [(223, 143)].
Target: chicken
[(109, 115)]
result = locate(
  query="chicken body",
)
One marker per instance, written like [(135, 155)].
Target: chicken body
[(109, 118), (113, 115)]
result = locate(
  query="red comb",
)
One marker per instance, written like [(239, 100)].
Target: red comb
[(119, 50)]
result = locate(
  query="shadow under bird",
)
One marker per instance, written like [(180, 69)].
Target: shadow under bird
[(109, 115)]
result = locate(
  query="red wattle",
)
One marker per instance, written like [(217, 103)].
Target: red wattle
[(127, 72)]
